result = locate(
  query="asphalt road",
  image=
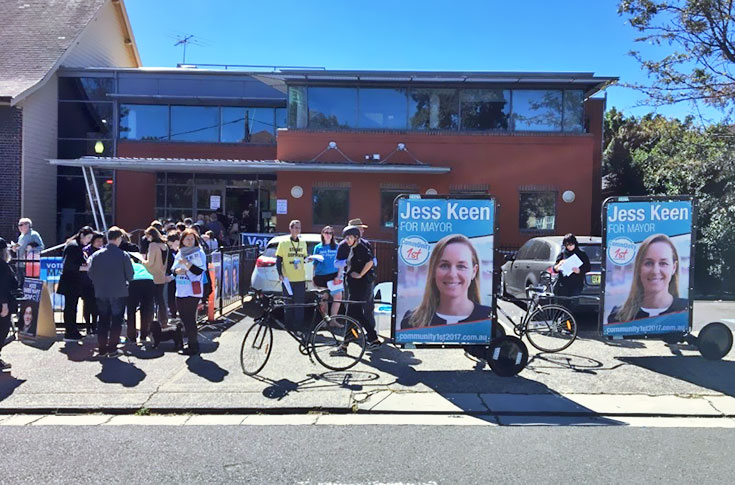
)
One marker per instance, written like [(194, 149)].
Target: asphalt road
[(365, 454)]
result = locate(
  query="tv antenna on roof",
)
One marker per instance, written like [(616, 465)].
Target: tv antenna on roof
[(185, 40)]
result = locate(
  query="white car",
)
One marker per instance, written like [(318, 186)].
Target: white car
[(265, 276)]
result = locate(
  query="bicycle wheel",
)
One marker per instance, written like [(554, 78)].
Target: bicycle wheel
[(339, 346), (551, 328), (256, 348)]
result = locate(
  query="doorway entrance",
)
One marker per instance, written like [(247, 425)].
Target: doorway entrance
[(242, 204)]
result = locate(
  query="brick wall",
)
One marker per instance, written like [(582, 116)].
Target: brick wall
[(11, 146)]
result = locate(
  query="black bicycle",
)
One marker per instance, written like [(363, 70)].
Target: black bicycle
[(337, 342), (549, 327)]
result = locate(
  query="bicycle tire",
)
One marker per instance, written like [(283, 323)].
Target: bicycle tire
[(551, 328), (326, 342), (256, 348)]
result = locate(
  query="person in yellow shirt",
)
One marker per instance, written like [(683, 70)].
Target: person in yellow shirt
[(290, 260)]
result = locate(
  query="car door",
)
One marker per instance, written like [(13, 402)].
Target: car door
[(517, 273), (541, 257)]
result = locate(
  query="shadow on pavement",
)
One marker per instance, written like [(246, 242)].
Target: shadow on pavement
[(544, 362), (715, 375), (117, 371), (349, 380), (79, 351), (8, 385), (206, 369)]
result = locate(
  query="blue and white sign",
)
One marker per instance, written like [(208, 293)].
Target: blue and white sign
[(255, 239), (444, 281), (51, 268), (647, 274)]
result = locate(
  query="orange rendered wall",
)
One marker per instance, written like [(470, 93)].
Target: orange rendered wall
[(505, 163)]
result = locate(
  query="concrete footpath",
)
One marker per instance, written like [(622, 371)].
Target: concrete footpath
[(591, 378)]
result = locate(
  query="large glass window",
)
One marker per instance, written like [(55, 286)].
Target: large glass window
[(537, 110), (537, 211), (195, 123), (248, 125), (85, 88), (143, 122), (332, 107), (433, 109), (574, 111), (298, 113), (383, 108), (331, 205), (485, 109), (85, 120)]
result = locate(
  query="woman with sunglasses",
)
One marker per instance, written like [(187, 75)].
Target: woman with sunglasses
[(324, 268)]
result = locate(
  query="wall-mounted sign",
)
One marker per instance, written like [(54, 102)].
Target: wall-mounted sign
[(215, 202), (282, 206)]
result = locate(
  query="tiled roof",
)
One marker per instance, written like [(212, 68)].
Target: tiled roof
[(34, 34)]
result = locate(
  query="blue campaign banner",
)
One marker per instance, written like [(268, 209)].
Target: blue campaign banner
[(646, 278), (51, 268), (255, 239), (444, 275)]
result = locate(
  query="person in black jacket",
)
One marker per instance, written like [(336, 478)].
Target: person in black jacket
[(70, 282), (8, 287), (573, 283), (359, 276)]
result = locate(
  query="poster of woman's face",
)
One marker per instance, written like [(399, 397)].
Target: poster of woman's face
[(444, 281), (648, 250), (28, 318)]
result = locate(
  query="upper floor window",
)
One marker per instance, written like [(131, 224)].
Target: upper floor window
[(464, 109), (433, 109), (537, 110), (485, 109), (86, 88), (382, 108), (332, 107), (143, 122), (248, 125), (194, 123)]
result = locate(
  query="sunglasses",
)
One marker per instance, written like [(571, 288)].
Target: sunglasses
[(328, 232)]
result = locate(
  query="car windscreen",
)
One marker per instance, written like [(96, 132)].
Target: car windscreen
[(594, 252)]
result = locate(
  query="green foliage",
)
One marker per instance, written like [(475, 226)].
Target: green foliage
[(654, 155), (699, 45)]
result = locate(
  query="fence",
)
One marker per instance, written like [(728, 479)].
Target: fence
[(230, 270)]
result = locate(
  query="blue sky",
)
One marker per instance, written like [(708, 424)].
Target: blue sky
[(471, 35)]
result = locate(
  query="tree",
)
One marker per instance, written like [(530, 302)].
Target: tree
[(655, 155), (701, 66)]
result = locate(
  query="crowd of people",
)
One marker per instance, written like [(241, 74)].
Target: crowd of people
[(150, 288)]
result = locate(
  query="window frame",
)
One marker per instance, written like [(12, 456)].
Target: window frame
[(537, 230)]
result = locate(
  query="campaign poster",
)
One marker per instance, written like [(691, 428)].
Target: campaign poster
[(647, 274), (255, 239), (216, 266), (51, 268), (444, 272), (226, 276), (29, 307), (235, 280)]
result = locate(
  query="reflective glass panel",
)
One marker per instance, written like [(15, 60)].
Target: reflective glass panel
[(485, 109), (574, 111), (281, 118), (248, 125), (195, 123), (298, 114), (383, 108), (537, 110), (85, 88), (331, 205), (537, 211), (332, 107), (179, 196), (85, 120), (433, 109), (143, 122)]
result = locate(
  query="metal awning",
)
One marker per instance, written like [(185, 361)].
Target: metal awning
[(200, 165)]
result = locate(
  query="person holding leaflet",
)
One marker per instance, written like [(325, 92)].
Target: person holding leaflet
[(291, 257)]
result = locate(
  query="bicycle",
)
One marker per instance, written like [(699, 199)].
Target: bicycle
[(337, 342), (548, 327)]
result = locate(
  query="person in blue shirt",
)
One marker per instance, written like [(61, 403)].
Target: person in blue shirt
[(325, 269)]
